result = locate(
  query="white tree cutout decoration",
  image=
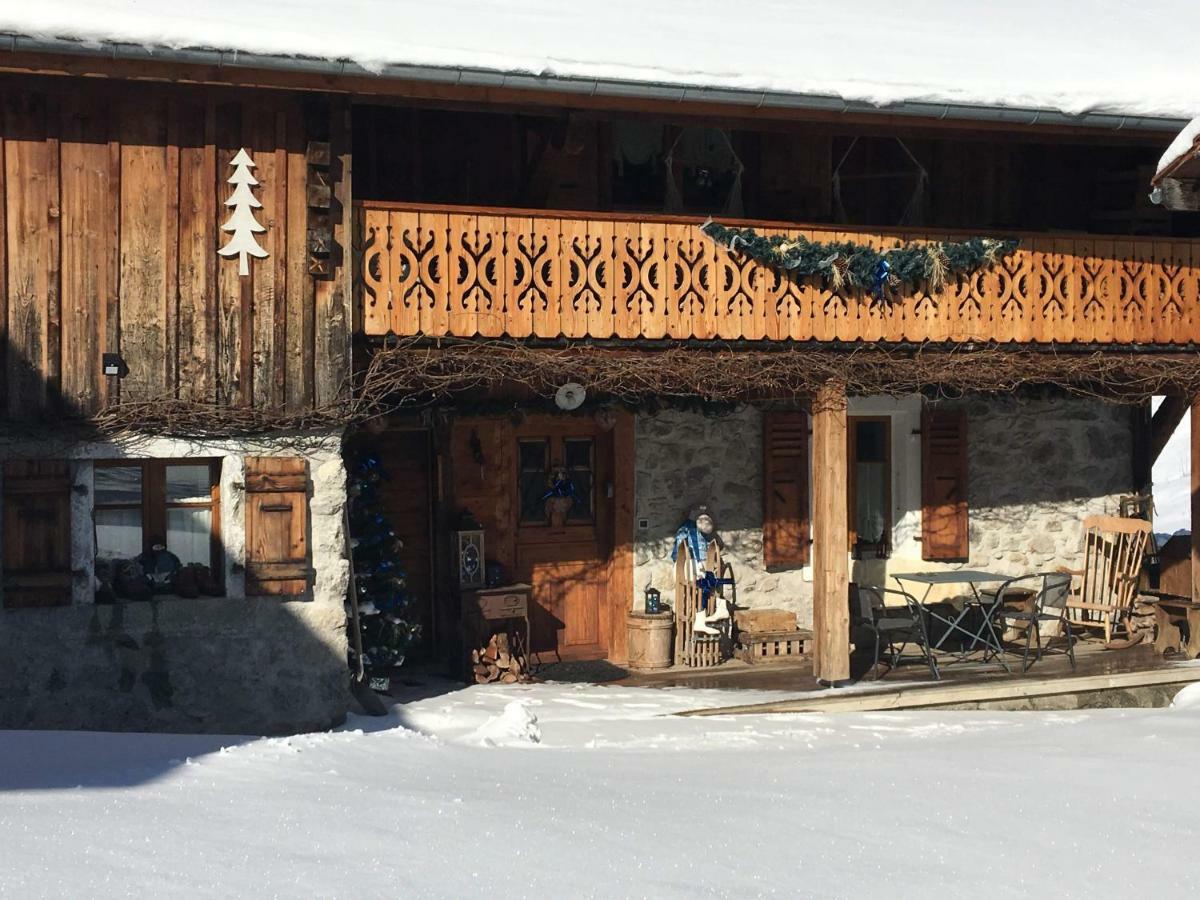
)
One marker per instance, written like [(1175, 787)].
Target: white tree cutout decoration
[(242, 226)]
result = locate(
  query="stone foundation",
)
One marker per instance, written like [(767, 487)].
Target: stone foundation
[(229, 665), (1037, 466)]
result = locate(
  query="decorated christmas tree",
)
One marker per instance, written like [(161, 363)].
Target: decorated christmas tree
[(379, 580)]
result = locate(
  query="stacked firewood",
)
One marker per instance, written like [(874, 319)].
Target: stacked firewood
[(499, 661)]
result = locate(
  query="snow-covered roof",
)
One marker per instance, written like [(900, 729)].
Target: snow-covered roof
[(1125, 57), (1186, 146)]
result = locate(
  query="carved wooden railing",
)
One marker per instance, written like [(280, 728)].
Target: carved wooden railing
[(452, 271)]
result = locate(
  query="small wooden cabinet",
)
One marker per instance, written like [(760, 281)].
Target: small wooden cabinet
[(486, 610)]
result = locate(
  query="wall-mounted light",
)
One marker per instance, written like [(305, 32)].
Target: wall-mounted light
[(115, 366)]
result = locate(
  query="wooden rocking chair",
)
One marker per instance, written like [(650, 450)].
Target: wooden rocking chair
[(1107, 586), (697, 651)]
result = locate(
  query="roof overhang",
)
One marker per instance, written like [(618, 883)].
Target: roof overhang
[(19, 45)]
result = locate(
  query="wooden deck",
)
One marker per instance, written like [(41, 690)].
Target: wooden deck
[(466, 272), (1137, 676)]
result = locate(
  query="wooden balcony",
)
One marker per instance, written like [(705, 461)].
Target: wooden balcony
[(444, 271)]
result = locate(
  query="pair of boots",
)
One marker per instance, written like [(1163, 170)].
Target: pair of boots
[(703, 624)]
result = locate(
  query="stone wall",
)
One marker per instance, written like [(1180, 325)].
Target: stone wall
[(1037, 468), (1037, 465), (685, 459), (229, 665)]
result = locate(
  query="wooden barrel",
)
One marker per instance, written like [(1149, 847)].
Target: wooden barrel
[(650, 640)]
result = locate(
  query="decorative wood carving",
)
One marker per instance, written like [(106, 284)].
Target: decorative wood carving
[(241, 225), (319, 199), (467, 273)]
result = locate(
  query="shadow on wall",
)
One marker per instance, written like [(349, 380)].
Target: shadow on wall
[(1038, 462), (208, 664)]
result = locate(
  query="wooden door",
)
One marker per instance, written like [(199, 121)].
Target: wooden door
[(566, 562)]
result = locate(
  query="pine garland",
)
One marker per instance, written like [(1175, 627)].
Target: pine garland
[(849, 266)]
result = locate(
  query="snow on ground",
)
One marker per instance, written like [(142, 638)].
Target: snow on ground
[(1134, 57), (566, 790)]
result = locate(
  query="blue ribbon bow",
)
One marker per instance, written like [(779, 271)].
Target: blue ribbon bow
[(882, 272), (709, 583), (560, 487)]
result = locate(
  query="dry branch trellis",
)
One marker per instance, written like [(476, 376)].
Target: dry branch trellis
[(416, 370)]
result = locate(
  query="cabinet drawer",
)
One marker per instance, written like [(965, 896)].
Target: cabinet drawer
[(499, 606)]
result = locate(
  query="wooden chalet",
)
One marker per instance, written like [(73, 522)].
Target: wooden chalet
[(443, 247)]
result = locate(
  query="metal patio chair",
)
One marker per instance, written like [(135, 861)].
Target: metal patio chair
[(893, 626), (1048, 604)]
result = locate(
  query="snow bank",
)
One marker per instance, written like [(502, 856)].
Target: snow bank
[(515, 726), (1184, 141), (1120, 56), (617, 799), (1188, 698)]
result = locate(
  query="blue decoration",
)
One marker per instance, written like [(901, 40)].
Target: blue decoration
[(882, 272), (710, 583), (561, 486), (696, 540)]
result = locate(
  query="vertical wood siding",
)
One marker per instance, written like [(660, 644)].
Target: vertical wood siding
[(111, 201)]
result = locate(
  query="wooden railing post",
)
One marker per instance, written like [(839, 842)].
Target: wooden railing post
[(831, 563), (1195, 436)]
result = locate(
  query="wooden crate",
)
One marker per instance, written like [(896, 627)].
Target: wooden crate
[(702, 653), (773, 646)]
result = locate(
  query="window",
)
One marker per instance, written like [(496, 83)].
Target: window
[(870, 486), (541, 461), (140, 503)]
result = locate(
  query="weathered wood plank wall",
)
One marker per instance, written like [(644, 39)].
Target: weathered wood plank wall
[(111, 200)]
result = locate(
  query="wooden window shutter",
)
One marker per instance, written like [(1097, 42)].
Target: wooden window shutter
[(37, 533), (785, 489), (944, 518), (276, 526)]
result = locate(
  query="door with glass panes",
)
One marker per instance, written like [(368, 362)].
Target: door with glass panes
[(564, 532)]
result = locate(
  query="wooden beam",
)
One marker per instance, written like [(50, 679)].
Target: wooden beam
[(620, 579), (1164, 422), (943, 694), (831, 563), (1195, 423)]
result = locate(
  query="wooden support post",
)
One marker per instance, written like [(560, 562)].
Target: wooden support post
[(1164, 422), (1195, 427), (831, 563)]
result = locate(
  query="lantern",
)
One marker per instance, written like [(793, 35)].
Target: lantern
[(653, 601), (471, 570)]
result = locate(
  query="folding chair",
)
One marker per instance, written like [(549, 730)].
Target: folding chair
[(894, 627), (1049, 604)]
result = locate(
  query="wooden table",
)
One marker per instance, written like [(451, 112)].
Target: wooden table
[(1172, 615)]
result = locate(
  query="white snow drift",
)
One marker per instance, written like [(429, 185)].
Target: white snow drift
[(572, 791)]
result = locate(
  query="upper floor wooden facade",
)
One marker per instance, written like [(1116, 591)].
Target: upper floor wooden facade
[(113, 193)]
